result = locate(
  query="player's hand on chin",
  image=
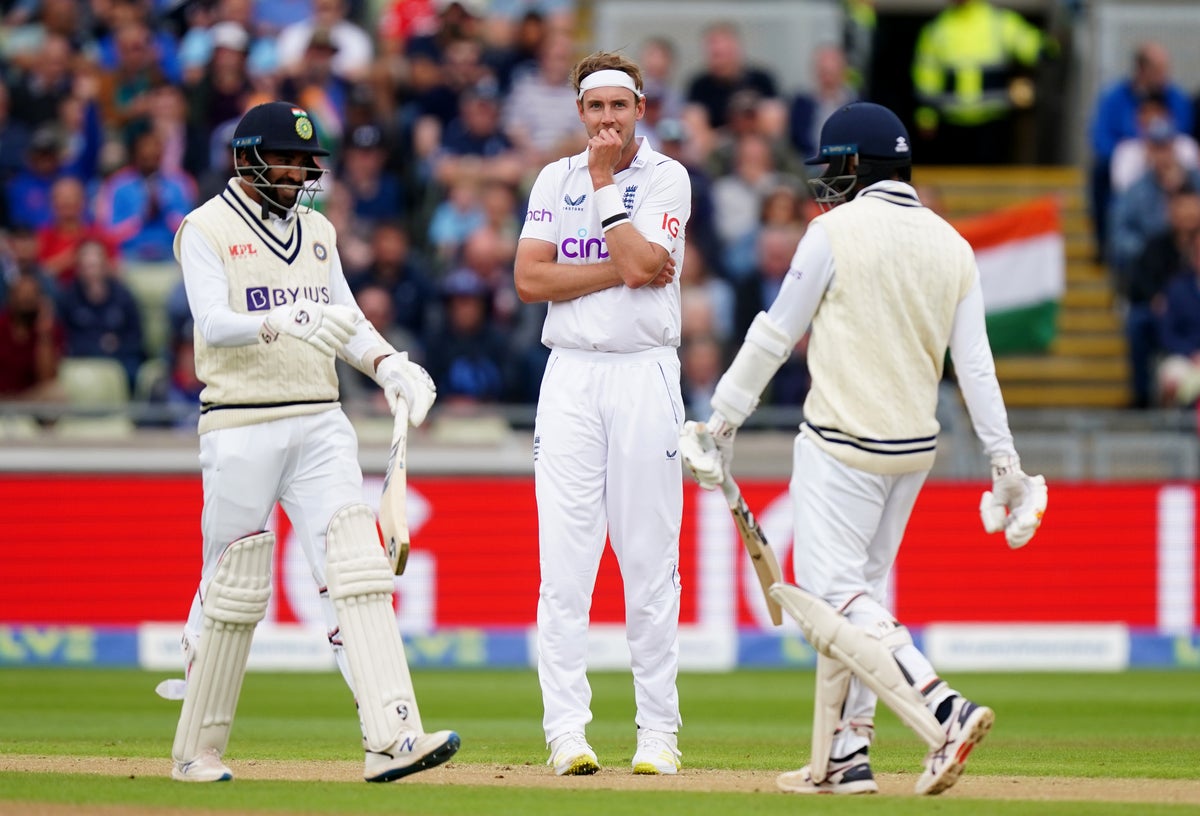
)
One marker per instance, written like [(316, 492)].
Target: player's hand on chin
[(604, 150)]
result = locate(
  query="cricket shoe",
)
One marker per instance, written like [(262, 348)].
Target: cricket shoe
[(657, 753), (412, 752), (966, 727), (571, 755), (846, 776), (207, 767)]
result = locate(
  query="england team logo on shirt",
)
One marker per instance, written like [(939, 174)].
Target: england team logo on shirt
[(628, 198)]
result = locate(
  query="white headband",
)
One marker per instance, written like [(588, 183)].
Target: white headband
[(608, 78)]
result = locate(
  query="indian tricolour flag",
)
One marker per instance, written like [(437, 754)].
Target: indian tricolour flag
[(1022, 270)]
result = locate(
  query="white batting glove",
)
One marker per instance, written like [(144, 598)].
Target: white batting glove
[(325, 327), (708, 449), (700, 454), (404, 380), (1016, 502)]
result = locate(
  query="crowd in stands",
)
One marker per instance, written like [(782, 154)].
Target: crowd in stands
[(116, 117), (1145, 205)]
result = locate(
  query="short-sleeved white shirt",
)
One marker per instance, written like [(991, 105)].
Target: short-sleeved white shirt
[(656, 192)]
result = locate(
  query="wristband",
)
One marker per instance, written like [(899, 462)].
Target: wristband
[(609, 207)]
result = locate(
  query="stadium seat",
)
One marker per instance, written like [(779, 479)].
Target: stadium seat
[(151, 374), (152, 284), (18, 426), (97, 391)]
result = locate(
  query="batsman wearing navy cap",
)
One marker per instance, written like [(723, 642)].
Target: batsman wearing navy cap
[(886, 286), (272, 310)]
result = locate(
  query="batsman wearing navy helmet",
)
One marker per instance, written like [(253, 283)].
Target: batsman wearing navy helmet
[(271, 311), (886, 287)]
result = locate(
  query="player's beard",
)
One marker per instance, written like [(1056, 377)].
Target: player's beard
[(282, 194)]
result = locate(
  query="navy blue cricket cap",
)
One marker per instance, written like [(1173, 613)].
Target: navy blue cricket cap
[(278, 126), (863, 129)]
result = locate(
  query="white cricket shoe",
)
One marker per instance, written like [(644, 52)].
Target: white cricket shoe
[(848, 776), (410, 753), (657, 753), (968, 724), (571, 755), (207, 767)]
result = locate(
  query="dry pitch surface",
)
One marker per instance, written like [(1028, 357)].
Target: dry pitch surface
[(1160, 791)]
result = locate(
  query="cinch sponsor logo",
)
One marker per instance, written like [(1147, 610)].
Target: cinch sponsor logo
[(262, 298), (242, 250), (583, 247), (539, 215)]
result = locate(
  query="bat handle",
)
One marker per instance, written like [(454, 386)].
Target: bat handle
[(733, 493)]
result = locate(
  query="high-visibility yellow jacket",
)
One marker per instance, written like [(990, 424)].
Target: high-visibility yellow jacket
[(964, 61)]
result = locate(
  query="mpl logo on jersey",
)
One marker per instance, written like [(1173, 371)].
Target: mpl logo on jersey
[(242, 251), (263, 298), (581, 247)]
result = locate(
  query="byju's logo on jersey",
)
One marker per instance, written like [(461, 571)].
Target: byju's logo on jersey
[(264, 298), (258, 299), (575, 204)]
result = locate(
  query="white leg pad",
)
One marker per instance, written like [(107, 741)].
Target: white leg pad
[(868, 656), (361, 583), (833, 684), (236, 600)]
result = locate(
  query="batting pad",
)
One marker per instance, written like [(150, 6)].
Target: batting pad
[(833, 684), (236, 600), (361, 583), (867, 656)]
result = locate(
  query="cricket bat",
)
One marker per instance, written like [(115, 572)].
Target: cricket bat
[(766, 566), (393, 505)]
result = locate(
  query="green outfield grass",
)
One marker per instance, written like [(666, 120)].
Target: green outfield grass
[(1131, 725)]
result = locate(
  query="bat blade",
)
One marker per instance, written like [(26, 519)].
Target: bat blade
[(393, 504), (766, 566)]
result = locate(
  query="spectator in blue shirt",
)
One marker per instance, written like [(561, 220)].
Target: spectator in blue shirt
[(27, 194), (142, 205), (1115, 119)]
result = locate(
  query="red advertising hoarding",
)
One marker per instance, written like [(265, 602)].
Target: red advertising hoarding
[(122, 549)]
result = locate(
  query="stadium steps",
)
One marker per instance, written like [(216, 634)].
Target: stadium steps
[(1086, 365)]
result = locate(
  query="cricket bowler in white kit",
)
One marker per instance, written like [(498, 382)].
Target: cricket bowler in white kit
[(272, 310), (602, 241), (886, 286)]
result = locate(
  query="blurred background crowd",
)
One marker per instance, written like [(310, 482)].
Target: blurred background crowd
[(116, 116)]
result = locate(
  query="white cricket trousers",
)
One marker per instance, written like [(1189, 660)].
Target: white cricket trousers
[(606, 460), (308, 464), (848, 525)]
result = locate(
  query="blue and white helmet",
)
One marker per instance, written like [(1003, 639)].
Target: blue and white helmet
[(873, 135), (281, 127)]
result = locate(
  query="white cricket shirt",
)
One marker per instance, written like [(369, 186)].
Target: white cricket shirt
[(656, 192)]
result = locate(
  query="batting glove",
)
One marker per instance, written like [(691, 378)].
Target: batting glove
[(404, 380), (708, 453), (1016, 502), (325, 327)]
